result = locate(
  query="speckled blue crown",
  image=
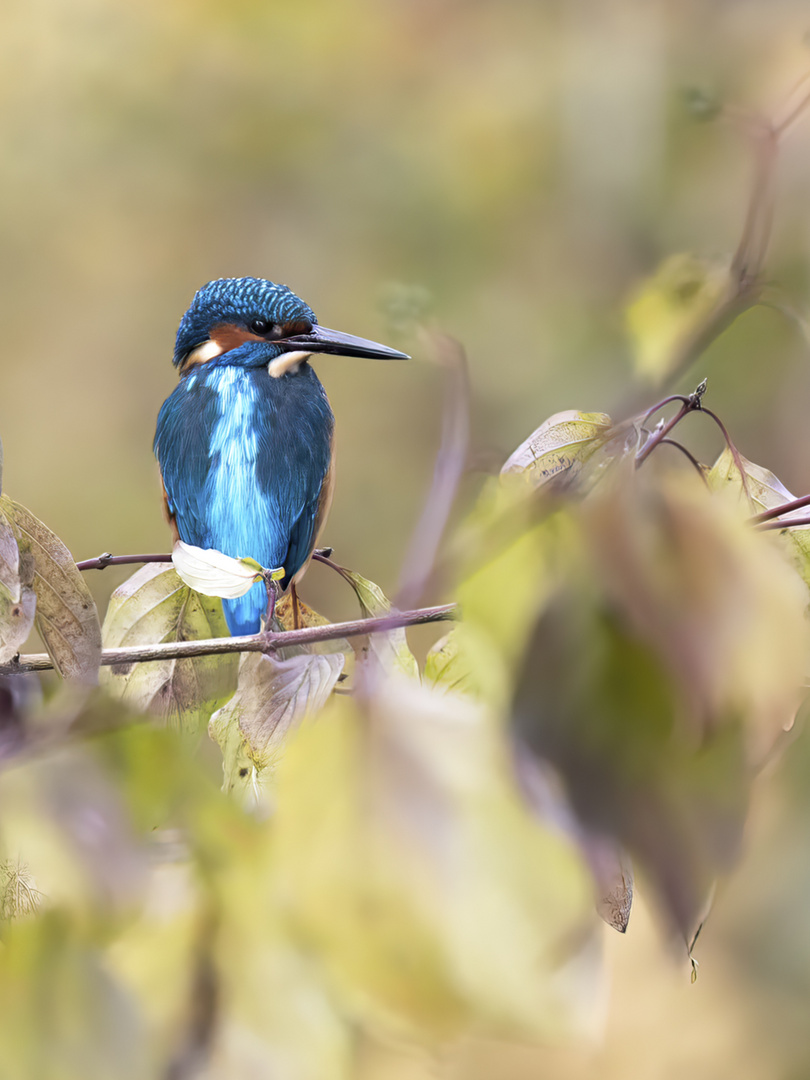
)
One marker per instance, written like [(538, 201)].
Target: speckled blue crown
[(237, 300)]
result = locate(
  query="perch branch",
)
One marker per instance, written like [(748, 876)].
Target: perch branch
[(264, 642), (108, 559)]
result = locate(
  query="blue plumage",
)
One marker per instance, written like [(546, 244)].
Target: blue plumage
[(245, 445)]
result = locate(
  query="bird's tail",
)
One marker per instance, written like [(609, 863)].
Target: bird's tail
[(243, 615)]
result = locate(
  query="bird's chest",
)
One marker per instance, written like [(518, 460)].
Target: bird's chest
[(258, 430)]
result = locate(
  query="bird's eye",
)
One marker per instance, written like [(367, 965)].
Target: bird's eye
[(261, 326)]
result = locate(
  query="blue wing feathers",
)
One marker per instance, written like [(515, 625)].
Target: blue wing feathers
[(243, 458)]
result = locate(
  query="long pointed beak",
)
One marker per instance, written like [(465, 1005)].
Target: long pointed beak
[(322, 340)]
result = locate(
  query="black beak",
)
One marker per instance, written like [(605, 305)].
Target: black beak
[(321, 340)]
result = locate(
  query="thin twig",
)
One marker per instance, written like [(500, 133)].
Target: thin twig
[(784, 525), (683, 398), (451, 460), (794, 114), (748, 260), (745, 281), (778, 511), (661, 433), (321, 558), (735, 453), (108, 559), (688, 454), (265, 642)]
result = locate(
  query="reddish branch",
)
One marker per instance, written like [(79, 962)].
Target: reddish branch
[(451, 461), (778, 511), (264, 642), (792, 523), (108, 559)]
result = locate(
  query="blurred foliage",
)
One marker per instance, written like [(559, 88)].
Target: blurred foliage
[(378, 867), (414, 857)]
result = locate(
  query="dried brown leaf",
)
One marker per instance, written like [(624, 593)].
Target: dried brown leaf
[(66, 615)]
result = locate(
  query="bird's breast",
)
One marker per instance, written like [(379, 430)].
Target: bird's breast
[(260, 447)]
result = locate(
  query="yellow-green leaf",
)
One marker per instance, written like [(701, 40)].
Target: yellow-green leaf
[(154, 606), (610, 865), (449, 666), (670, 310), (391, 647), (66, 615), (664, 664), (556, 452), (272, 697), (763, 489)]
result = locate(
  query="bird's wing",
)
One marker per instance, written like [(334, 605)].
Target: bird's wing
[(305, 531), (184, 429)]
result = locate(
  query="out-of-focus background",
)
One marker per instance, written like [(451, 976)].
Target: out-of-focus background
[(520, 163)]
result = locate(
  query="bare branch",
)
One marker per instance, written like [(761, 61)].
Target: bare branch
[(449, 469), (745, 280), (790, 524), (683, 398), (778, 511), (265, 642), (749, 258), (108, 559), (792, 113), (687, 454), (661, 433)]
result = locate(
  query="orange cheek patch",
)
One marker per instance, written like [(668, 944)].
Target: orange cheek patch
[(228, 336), (223, 338)]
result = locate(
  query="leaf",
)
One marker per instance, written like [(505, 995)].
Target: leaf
[(272, 697), (407, 860), (596, 703), (17, 598), (662, 668), (286, 618), (390, 647), (504, 585), (610, 865), (213, 574), (154, 606), (670, 310), (555, 454), (764, 491), (762, 488), (718, 601), (66, 616), (448, 666)]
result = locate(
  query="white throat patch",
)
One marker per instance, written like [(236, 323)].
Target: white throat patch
[(290, 361)]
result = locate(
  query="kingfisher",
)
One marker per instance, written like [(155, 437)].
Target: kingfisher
[(245, 441)]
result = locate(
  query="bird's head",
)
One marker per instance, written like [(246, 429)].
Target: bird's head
[(252, 322)]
